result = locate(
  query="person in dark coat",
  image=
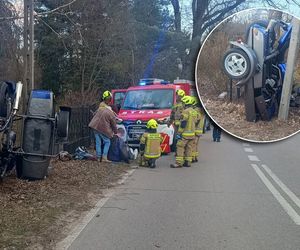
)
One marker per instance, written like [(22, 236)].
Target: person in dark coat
[(216, 132)]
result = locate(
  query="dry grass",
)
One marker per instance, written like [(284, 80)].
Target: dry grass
[(231, 117), (34, 215)]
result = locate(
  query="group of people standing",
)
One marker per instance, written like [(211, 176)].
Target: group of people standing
[(187, 117), (188, 120)]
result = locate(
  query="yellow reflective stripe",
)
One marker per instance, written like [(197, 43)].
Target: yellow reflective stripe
[(190, 158), (188, 134), (199, 132), (153, 136), (152, 156), (164, 138), (179, 160)]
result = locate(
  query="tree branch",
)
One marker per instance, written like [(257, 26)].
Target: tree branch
[(56, 9)]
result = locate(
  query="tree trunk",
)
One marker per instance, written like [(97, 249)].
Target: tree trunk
[(177, 15)]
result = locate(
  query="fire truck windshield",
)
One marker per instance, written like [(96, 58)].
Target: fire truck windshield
[(149, 99)]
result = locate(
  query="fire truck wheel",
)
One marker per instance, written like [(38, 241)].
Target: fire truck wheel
[(236, 63), (63, 124), (3, 97)]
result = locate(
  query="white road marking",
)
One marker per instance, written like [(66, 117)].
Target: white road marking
[(285, 205), (246, 144), (253, 158), (248, 150), (68, 241), (292, 196)]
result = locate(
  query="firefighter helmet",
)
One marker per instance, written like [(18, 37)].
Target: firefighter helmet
[(180, 92), (106, 94), (195, 100), (152, 124), (188, 100)]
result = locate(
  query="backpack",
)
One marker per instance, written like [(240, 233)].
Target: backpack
[(118, 150)]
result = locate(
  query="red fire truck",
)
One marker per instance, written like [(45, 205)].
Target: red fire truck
[(152, 98)]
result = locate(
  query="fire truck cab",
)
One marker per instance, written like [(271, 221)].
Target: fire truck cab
[(151, 99)]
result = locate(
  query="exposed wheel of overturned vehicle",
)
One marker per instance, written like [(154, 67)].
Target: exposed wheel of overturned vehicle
[(5, 93), (264, 24), (63, 124), (236, 64)]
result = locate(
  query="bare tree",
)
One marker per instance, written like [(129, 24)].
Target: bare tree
[(177, 15), (10, 54), (207, 14)]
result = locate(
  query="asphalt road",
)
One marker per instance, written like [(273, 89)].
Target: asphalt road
[(228, 200)]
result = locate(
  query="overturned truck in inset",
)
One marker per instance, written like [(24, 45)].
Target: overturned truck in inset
[(41, 127), (259, 65)]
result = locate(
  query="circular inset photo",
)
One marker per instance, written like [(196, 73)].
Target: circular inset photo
[(248, 75)]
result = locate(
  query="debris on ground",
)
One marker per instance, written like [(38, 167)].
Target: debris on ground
[(34, 215)]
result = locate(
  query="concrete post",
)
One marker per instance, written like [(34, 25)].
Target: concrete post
[(288, 79)]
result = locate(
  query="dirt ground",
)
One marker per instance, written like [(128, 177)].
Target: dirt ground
[(231, 116), (34, 215)]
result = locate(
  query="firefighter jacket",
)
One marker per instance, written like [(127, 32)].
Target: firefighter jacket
[(200, 123), (189, 118), (152, 143), (176, 113)]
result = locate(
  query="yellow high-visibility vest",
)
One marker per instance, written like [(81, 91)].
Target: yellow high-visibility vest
[(177, 112), (152, 145), (200, 123), (190, 116)]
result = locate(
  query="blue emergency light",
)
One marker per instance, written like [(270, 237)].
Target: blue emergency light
[(152, 81)]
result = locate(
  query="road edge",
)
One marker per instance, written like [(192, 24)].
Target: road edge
[(85, 220)]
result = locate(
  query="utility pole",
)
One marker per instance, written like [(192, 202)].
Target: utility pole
[(288, 78), (28, 46)]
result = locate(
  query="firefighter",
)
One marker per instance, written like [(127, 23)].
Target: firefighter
[(199, 129), (106, 103), (176, 113), (186, 134), (150, 149), (106, 97)]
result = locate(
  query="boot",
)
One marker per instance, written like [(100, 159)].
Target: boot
[(151, 163), (104, 159), (195, 159), (175, 165), (187, 164)]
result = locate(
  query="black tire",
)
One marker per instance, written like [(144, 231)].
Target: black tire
[(264, 24), (4, 94), (63, 124), (236, 64)]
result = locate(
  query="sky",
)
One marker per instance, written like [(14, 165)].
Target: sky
[(186, 9), (186, 6)]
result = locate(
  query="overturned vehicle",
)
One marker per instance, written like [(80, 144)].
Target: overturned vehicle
[(259, 65), (40, 128)]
